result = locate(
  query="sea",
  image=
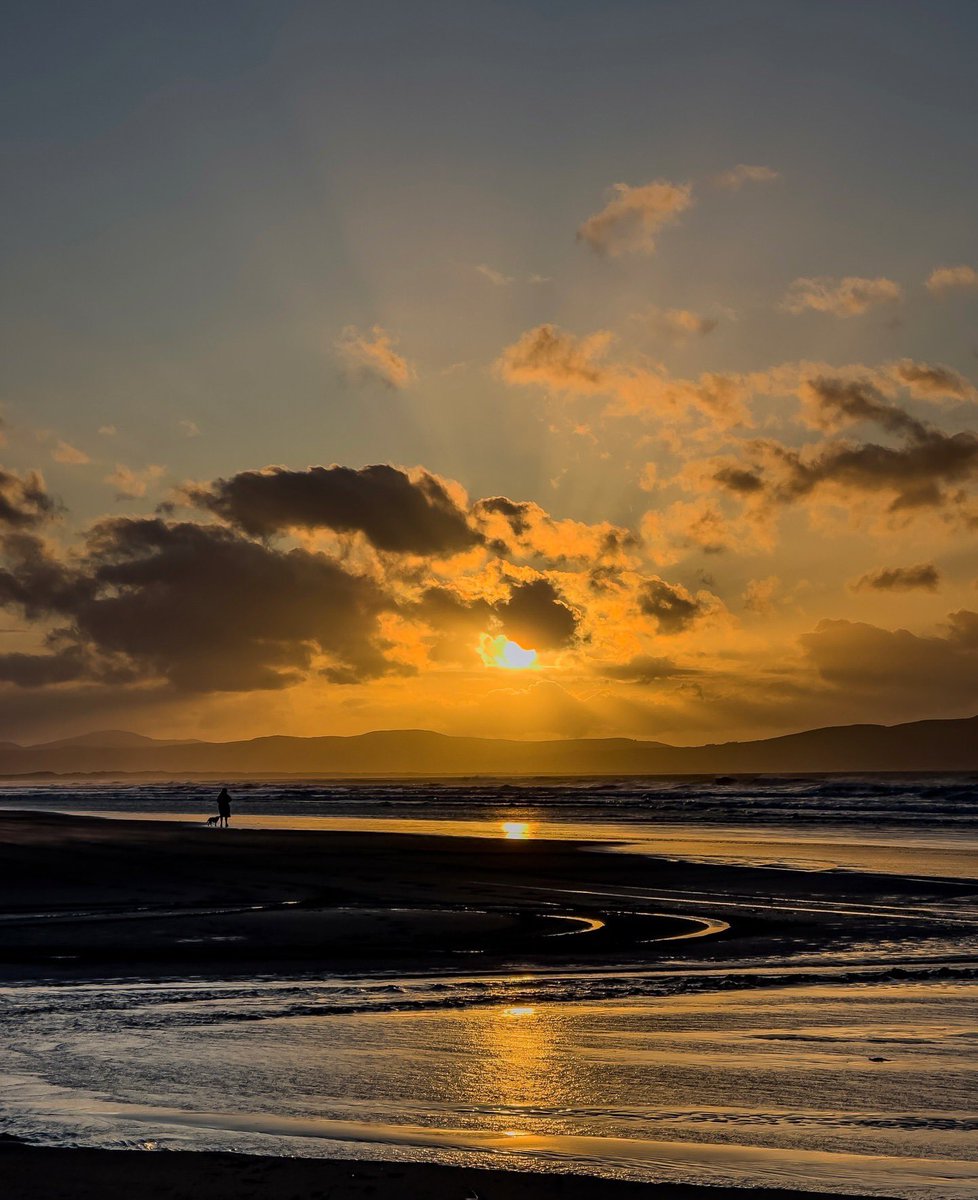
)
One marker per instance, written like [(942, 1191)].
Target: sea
[(853, 1070)]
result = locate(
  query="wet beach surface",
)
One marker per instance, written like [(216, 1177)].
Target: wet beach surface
[(554, 1006)]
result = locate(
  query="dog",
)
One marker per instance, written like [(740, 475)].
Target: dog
[(212, 820)]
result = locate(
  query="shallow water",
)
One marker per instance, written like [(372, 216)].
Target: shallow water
[(851, 1070), (844, 1087)]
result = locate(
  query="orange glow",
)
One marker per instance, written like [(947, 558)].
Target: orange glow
[(516, 830)]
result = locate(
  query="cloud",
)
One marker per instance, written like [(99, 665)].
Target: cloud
[(69, 455), (848, 297), (42, 670), (107, 430), (834, 402), (897, 664), (523, 529), (372, 355), (734, 179), (700, 525), (551, 358), (24, 500), (37, 583), (132, 484), (630, 222), (759, 595), (950, 279), (536, 617), (916, 473), (679, 323), (495, 277), (407, 513), (189, 428), (498, 279), (197, 606), (900, 579), (670, 604), (930, 380), (644, 669)]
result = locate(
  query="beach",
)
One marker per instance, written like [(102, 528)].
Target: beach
[(340, 1012), (41, 1174), (81, 894)]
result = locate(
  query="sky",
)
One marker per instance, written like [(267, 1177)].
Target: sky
[(524, 370)]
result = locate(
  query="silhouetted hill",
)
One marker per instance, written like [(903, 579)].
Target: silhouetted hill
[(107, 739), (919, 746)]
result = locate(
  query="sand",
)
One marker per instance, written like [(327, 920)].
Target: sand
[(88, 896), (40, 1173)]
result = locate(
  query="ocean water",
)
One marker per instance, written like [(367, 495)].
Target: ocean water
[(854, 1070)]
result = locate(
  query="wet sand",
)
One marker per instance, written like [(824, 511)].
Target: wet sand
[(84, 898), (83, 895), (37, 1173)]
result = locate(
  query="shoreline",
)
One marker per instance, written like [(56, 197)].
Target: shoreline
[(163, 897), (32, 1172), (87, 900)]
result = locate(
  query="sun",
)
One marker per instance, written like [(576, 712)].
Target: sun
[(501, 651)]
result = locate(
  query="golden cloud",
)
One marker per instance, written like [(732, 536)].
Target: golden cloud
[(631, 220), (848, 297)]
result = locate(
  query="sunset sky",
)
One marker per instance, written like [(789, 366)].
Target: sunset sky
[(354, 353)]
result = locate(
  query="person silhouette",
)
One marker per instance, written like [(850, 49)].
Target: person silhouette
[(224, 808)]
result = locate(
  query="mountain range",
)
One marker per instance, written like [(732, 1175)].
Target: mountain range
[(940, 745)]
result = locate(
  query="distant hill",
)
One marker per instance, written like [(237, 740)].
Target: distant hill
[(105, 739), (918, 746)]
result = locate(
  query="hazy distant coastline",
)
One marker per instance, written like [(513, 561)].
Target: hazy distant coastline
[(921, 746)]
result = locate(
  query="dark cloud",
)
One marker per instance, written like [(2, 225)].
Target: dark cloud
[(916, 473), (897, 665), (24, 501), (198, 606), (932, 379), (394, 510), (739, 480), (536, 616), (38, 670), (37, 583), (454, 623), (516, 512), (670, 604), (900, 579), (645, 669), (858, 400)]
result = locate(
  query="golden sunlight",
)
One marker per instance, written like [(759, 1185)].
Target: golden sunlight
[(500, 651), (516, 830)]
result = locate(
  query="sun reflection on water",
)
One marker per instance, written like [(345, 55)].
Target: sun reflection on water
[(514, 1066), (516, 830)]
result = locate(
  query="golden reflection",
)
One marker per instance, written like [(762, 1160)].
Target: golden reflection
[(515, 1064), (515, 829)]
